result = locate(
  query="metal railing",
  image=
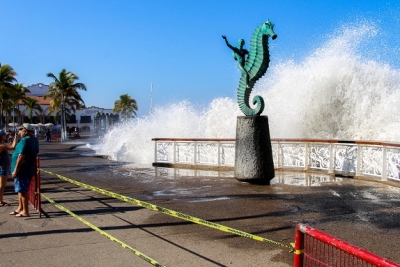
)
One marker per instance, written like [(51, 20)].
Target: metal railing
[(316, 248), (351, 158), (196, 153)]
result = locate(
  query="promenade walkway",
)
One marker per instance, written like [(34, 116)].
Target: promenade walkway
[(365, 214)]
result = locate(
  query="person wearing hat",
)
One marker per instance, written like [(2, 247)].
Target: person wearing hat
[(23, 167), (5, 163)]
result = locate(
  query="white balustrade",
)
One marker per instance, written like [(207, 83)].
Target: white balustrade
[(351, 158)]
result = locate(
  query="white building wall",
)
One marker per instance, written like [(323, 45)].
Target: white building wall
[(40, 89), (90, 111)]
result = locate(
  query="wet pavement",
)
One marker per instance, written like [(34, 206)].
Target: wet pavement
[(363, 213)]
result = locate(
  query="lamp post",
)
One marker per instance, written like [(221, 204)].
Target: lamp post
[(62, 123)]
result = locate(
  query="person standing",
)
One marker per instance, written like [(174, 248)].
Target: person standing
[(5, 163), (23, 166), (47, 135)]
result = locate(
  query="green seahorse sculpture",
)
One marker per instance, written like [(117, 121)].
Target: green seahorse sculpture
[(253, 67)]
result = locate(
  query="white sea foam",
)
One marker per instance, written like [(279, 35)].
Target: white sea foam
[(336, 92)]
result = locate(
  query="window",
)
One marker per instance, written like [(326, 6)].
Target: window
[(86, 119), (72, 119)]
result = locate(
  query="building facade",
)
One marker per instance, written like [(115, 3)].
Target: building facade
[(90, 119)]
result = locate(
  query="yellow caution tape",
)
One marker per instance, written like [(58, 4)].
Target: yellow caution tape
[(170, 212), (298, 251), (138, 253)]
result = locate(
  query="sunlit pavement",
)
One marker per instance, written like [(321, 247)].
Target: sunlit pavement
[(365, 214)]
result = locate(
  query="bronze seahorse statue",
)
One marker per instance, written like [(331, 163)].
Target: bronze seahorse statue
[(253, 67)]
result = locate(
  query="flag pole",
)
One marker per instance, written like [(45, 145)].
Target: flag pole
[(151, 98)]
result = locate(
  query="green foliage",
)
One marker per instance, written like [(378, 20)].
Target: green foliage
[(126, 106), (7, 78), (10, 91), (65, 96), (64, 90), (33, 107)]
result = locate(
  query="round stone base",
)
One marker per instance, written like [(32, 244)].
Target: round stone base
[(253, 154)]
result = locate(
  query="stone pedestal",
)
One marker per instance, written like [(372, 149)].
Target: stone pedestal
[(253, 155)]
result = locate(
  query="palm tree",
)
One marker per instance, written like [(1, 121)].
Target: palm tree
[(33, 107), (126, 106), (64, 93), (7, 78), (19, 93), (6, 106)]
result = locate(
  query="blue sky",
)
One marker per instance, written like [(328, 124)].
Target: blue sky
[(122, 46)]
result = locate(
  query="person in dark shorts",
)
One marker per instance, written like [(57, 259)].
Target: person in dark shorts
[(47, 135), (5, 163), (23, 166)]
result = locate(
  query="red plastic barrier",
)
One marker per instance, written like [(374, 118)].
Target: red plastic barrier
[(315, 248), (34, 189)]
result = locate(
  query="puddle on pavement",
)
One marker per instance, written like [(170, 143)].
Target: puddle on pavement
[(303, 179), (281, 177), (175, 173)]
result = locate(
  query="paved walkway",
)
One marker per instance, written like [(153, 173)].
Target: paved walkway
[(363, 213)]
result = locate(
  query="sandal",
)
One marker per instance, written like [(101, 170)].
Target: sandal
[(14, 212), (2, 204), (22, 215)]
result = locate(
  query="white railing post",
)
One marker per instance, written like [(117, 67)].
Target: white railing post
[(359, 160), (331, 158), (195, 153), (278, 150), (155, 151), (174, 152), (306, 156), (384, 164), (219, 153)]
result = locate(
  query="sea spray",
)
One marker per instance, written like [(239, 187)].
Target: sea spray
[(335, 92), (132, 142)]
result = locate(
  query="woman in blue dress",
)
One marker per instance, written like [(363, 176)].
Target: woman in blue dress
[(5, 163)]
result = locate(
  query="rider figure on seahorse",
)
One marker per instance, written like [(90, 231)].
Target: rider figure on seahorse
[(253, 66)]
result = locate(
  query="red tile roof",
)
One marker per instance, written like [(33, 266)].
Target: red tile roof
[(40, 100)]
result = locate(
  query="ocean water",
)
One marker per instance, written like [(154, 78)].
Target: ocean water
[(340, 90)]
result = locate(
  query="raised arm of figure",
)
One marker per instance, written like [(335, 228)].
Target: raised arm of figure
[(227, 43)]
